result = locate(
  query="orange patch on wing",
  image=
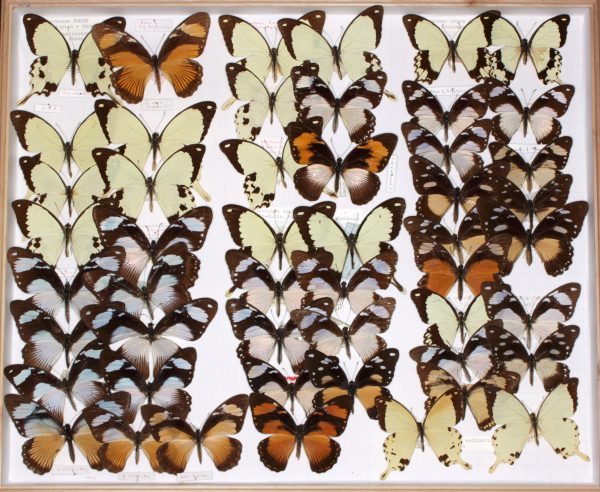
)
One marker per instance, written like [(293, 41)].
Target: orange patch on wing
[(194, 29), (379, 154), (303, 143), (440, 276), (109, 39), (482, 271), (367, 395), (263, 408)]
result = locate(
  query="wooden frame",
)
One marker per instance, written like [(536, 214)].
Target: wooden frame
[(6, 13)]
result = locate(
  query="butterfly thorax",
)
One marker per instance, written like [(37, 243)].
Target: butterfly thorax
[(421, 438), (346, 339), (455, 202), (146, 298), (155, 139), (66, 295), (73, 64), (137, 443), (68, 435), (300, 432), (68, 233), (149, 391), (279, 247), (447, 158), (156, 69), (335, 52), (272, 99), (464, 395), (151, 333), (452, 55), (352, 238), (525, 50), (530, 210), (339, 165), (460, 277), (279, 340), (198, 438), (528, 246), (343, 290), (66, 388), (531, 367), (461, 318), (152, 250), (534, 427), (67, 344), (280, 170), (68, 149), (460, 359), (525, 120)]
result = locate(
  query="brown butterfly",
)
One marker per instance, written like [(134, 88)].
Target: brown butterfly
[(486, 264), (178, 438), (314, 435), (358, 169), (133, 66)]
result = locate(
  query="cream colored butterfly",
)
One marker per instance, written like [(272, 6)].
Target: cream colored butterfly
[(517, 425), (437, 429)]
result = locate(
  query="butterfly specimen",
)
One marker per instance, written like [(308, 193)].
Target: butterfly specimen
[(544, 361), (43, 283), (116, 229), (380, 226), (133, 66), (320, 280), (544, 167), (264, 378), (262, 290), (245, 41), (81, 383), (315, 435), (315, 98), (325, 335), (550, 312), (262, 339), (462, 154), (38, 136), (552, 237), (468, 237), (434, 48), (358, 169), (166, 287), (541, 47), (351, 56), (51, 191), (122, 127), (516, 425), (170, 187), (435, 309), (261, 102), (119, 440), (429, 113), (476, 360), (178, 438), (255, 236), (142, 341), (541, 116), (439, 195), (46, 435), (437, 428), (369, 383), (164, 389), (441, 272), (49, 237), (55, 58), (435, 382), (45, 341)]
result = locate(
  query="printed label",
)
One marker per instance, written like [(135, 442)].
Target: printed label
[(199, 476), (46, 108), (141, 476), (476, 443), (391, 173), (157, 105), (153, 25)]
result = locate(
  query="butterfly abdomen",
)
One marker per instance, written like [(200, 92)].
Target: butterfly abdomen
[(525, 120), (198, 438), (525, 46), (156, 69), (68, 435), (74, 57)]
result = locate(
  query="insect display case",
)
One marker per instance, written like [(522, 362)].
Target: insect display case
[(257, 245)]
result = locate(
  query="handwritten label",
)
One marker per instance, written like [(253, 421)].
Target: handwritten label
[(141, 476), (454, 91), (526, 148), (199, 476), (476, 443), (157, 104), (278, 215), (73, 93), (153, 25), (391, 174), (451, 24), (71, 470), (273, 145), (349, 215), (46, 108), (74, 29), (265, 24)]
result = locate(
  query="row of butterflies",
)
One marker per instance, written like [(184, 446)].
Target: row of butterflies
[(109, 56)]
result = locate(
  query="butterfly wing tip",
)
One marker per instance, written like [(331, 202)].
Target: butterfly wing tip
[(385, 474), (227, 104), (24, 99)]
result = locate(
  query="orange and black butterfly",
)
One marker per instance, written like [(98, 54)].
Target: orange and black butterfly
[(178, 438), (487, 264), (368, 385), (552, 238), (358, 169), (133, 66), (314, 435), (47, 434)]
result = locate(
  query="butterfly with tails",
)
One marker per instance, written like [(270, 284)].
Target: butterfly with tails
[(133, 66), (55, 58), (178, 438)]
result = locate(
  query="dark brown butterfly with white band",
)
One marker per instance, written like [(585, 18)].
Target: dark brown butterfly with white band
[(541, 116), (549, 313), (142, 343), (315, 98), (428, 112), (178, 438), (552, 238), (512, 355), (462, 154)]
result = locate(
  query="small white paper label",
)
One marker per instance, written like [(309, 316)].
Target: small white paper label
[(141, 476), (71, 470), (350, 216), (279, 215), (454, 91), (526, 148), (73, 93), (199, 476), (391, 174), (476, 443), (46, 108), (153, 25), (74, 29), (273, 144), (451, 24), (157, 104)]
